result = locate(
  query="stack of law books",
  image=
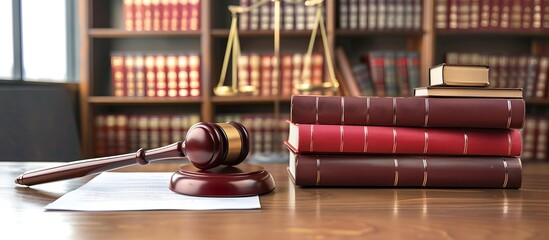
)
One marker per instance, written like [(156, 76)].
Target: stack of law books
[(454, 133)]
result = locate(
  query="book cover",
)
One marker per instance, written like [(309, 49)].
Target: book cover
[(347, 139), (390, 74), (118, 74), (129, 9), (459, 75), (468, 92), (405, 171), (412, 63), (364, 81), (402, 74), (441, 14), (376, 62), (129, 67), (408, 111), (194, 75), (194, 14)]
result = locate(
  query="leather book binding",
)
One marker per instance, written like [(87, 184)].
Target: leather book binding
[(408, 111), (341, 139), (405, 171)]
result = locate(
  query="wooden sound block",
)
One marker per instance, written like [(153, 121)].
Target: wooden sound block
[(222, 181)]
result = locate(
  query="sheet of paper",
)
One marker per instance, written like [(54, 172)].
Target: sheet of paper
[(113, 191)]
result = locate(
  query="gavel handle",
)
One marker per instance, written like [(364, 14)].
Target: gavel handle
[(96, 165)]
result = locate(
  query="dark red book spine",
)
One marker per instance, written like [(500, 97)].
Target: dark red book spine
[(408, 111), (376, 62), (405, 171), (315, 138)]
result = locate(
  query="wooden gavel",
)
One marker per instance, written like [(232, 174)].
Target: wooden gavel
[(207, 145)]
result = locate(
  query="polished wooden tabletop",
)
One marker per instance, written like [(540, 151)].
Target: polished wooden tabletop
[(291, 212)]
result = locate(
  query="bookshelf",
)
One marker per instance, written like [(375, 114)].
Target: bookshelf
[(102, 32)]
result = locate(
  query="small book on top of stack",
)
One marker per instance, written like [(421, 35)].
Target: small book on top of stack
[(430, 140)]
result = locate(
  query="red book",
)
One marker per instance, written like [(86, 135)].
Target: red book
[(402, 74), (160, 63), (266, 78), (375, 60), (194, 75), (315, 138), (139, 12), (183, 15), (194, 14), (150, 75), (129, 18), (166, 14), (129, 84), (408, 111), (286, 79), (405, 171), (118, 75)]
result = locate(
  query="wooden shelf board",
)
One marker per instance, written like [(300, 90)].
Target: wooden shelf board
[(143, 100), (360, 32), (262, 33), (242, 99), (119, 33), (515, 33)]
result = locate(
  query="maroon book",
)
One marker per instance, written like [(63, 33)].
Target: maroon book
[(408, 111), (347, 139), (405, 171)]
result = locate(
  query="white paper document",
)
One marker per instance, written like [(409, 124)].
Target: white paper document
[(114, 191)]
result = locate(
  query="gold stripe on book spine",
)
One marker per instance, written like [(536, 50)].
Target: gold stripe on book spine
[(466, 142), (312, 139), (426, 121), (510, 143), (396, 173), (365, 139), (342, 111), (425, 174), (506, 179), (426, 144), (317, 171), (394, 140), (316, 110), (509, 110), (341, 138), (394, 111), (367, 110)]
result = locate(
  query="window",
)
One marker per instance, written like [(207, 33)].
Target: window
[(41, 40), (6, 40), (44, 40)]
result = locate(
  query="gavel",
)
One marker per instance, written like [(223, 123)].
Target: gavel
[(213, 149)]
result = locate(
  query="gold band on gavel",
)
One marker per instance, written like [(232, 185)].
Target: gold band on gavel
[(234, 142)]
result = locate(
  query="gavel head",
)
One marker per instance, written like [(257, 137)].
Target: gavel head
[(208, 145)]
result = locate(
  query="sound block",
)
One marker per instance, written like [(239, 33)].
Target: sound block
[(222, 181)]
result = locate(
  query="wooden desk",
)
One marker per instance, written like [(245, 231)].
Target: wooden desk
[(292, 212)]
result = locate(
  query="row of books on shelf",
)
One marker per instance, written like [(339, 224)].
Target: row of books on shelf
[(469, 140), (527, 15), (266, 131), (137, 74), (380, 15), (161, 15), (535, 134), (122, 133), (528, 72), (259, 71), (294, 16), (380, 73)]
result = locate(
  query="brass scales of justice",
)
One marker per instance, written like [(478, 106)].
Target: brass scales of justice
[(233, 51), (214, 149)]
